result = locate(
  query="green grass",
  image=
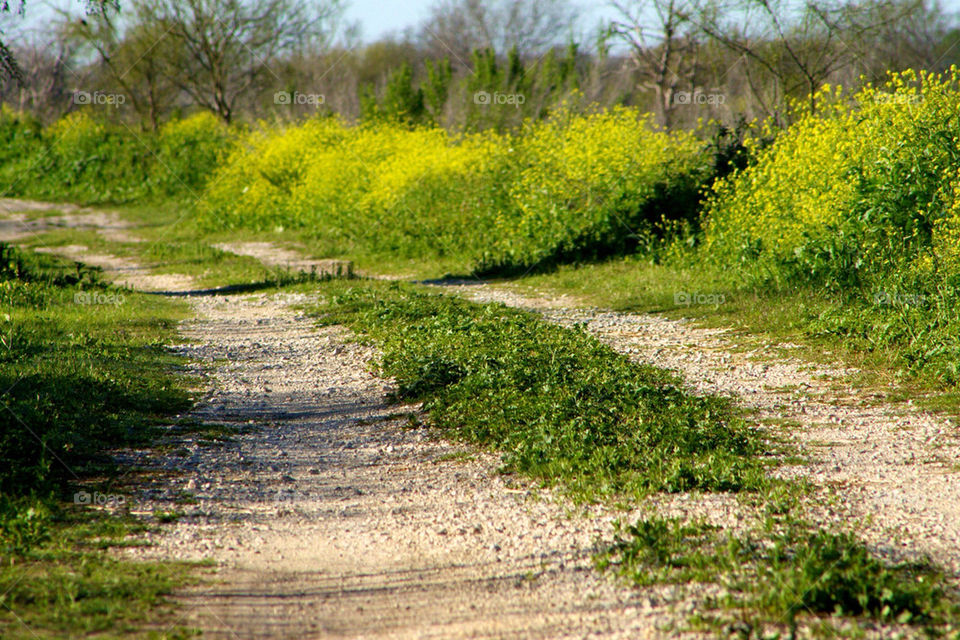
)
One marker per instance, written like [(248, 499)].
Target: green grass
[(560, 405), (779, 577), (65, 582), (83, 369), (755, 317)]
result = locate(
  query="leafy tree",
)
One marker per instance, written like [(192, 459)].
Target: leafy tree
[(401, 100)]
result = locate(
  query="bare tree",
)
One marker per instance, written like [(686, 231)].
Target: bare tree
[(224, 48), (9, 69), (46, 63), (457, 27), (133, 57), (796, 46), (663, 47), (916, 34)]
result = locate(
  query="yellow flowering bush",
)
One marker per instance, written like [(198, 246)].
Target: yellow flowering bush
[(846, 192), (374, 188), (595, 184), (571, 187), (861, 200)]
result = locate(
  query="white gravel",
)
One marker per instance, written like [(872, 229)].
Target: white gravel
[(334, 518), (894, 468)]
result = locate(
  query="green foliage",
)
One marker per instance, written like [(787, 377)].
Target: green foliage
[(80, 159), (83, 370), (401, 101), (19, 134), (828, 573), (79, 373), (560, 405), (782, 575), (24, 525), (437, 87), (59, 579), (657, 550), (186, 153)]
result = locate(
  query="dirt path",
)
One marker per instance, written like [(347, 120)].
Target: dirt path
[(891, 467), (894, 467), (19, 220), (330, 516), (274, 256), (333, 518)]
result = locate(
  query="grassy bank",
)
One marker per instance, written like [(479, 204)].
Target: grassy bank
[(84, 370)]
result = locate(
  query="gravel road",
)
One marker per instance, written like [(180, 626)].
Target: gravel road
[(334, 517), (893, 467), (329, 515), (332, 514)]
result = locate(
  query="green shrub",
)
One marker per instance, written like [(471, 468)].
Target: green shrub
[(85, 160)]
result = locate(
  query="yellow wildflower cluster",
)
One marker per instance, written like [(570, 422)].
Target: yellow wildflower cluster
[(497, 199), (861, 184), (587, 181), (74, 132)]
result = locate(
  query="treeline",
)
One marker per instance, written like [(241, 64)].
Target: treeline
[(471, 65)]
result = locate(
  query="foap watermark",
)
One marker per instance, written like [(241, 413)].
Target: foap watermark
[(99, 98), (99, 499), (698, 97), (896, 299), (96, 297), (297, 98), (485, 98), (898, 98), (686, 299)]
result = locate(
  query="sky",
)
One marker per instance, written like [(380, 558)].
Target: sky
[(381, 17), (376, 18)]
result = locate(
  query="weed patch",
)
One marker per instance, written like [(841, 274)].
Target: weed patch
[(560, 405), (784, 576)]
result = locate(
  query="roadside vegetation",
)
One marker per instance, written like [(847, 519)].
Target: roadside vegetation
[(83, 371), (571, 187), (562, 406), (853, 207), (784, 576), (565, 409), (85, 160)]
